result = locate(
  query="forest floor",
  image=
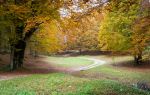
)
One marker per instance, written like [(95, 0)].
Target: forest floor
[(75, 75)]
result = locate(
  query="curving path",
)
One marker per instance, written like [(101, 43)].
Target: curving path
[(47, 68), (97, 63)]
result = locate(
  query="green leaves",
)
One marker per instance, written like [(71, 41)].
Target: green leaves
[(113, 41), (115, 29)]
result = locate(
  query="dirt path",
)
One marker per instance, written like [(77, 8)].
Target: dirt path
[(39, 66), (97, 62)]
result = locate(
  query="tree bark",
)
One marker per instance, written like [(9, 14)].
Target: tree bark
[(138, 59), (18, 49), (17, 55)]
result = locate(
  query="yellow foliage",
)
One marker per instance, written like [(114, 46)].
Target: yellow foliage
[(47, 39), (112, 41), (140, 35)]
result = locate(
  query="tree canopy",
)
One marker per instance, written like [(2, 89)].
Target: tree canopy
[(58, 25), (125, 27)]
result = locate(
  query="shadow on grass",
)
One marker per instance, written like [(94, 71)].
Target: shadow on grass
[(130, 64)]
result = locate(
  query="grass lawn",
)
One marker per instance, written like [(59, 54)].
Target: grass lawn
[(111, 71), (102, 80), (69, 61), (122, 75), (62, 84)]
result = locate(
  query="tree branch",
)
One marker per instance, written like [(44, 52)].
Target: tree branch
[(31, 31)]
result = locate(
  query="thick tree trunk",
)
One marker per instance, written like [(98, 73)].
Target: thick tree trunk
[(18, 49), (17, 55), (138, 59)]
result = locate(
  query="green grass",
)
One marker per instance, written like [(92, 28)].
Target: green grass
[(124, 75), (62, 84), (69, 61), (102, 80)]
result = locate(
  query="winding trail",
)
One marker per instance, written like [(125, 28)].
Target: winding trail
[(97, 63), (48, 67)]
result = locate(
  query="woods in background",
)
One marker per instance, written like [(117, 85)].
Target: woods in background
[(126, 27), (39, 25)]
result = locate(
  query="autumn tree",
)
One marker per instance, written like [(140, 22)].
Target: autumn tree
[(80, 26), (25, 17), (124, 28), (115, 27), (87, 32), (47, 40), (82, 35), (140, 38)]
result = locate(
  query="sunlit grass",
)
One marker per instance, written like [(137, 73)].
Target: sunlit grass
[(69, 61)]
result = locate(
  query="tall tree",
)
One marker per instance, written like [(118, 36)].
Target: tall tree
[(125, 27), (26, 16), (140, 37)]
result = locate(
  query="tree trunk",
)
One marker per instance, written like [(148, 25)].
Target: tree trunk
[(138, 59), (17, 55), (18, 49), (80, 51)]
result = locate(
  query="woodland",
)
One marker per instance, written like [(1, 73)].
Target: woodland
[(80, 43)]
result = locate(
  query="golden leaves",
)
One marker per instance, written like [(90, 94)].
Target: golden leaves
[(19, 11), (140, 35), (32, 21), (47, 38)]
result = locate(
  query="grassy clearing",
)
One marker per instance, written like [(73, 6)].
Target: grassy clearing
[(69, 61), (102, 80), (123, 75), (62, 84), (126, 75)]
